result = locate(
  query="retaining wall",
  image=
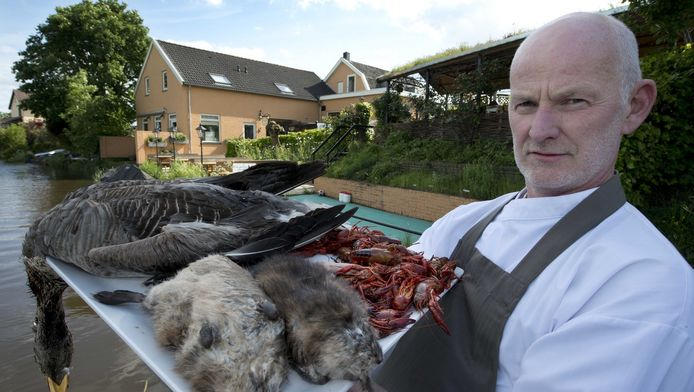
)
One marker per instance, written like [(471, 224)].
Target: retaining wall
[(416, 204)]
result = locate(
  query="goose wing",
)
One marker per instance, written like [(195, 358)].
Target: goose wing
[(273, 176)]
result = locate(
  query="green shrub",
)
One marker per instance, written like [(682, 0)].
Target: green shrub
[(392, 106), (356, 113), (13, 139), (40, 139), (178, 169), (294, 146), (659, 157)]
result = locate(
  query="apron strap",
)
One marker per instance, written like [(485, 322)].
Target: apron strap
[(595, 208), (466, 245)]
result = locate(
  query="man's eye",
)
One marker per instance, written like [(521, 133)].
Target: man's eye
[(574, 101), (525, 105)]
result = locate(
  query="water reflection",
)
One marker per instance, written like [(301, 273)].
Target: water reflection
[(101, 361)]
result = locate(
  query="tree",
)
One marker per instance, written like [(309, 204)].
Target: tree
[(100, 39), (671, 21)]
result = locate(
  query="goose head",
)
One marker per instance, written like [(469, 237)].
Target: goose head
[(52, 338)]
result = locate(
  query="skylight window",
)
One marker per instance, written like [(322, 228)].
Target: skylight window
[(220, 79), (284, 89)]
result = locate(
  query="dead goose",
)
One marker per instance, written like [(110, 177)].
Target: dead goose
[(225, 330), (181, 220)]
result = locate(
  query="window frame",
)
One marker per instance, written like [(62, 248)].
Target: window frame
[(340, 87), (208, 120), (157, 123), (164, 81), (173, 124), (284, 88), (148, 89), (353, 79), (255, 130), (223, 80)]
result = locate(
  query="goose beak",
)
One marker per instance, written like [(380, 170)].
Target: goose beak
[(55, 387)]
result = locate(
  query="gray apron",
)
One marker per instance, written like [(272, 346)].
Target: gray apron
[(476, 309)]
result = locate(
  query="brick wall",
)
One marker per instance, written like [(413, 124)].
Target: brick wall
[(416, 204)]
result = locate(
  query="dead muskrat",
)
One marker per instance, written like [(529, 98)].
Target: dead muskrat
[(227, 333), (327, 327)]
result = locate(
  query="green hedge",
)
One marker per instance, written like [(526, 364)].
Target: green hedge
[(657, 161), (13, 142), (294, 146)]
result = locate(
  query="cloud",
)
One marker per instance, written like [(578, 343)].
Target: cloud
[(418, 16), (214, 3), (249, 53)]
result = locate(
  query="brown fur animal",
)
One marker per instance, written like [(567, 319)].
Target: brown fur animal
[(328, 332), (227, 334)]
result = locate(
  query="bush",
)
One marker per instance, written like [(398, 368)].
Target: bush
[(659, 157), (178, 169), (295, 146), (356, 114), (13, 139), (390, 105)]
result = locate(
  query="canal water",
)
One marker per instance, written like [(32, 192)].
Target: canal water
[(101, 361)]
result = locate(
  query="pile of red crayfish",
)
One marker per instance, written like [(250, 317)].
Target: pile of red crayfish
[(390, 278)]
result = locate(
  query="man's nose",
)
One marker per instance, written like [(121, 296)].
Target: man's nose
[(545, 124)]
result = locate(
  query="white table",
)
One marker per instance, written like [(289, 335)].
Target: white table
[(134, 326)]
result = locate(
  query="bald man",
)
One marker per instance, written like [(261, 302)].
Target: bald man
[(566, 286)]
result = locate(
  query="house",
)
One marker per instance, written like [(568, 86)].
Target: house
[(353, 82), (181, 88), (17, 113)]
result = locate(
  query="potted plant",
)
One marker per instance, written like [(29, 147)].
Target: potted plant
[(155, 141), (179, 138)]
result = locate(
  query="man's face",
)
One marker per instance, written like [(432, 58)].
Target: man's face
[(566, 113)]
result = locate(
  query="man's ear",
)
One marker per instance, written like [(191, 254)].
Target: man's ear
[(640, 105)]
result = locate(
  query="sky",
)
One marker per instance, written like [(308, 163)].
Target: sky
[(306, 34)]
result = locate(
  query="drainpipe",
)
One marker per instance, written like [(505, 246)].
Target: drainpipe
[(190, 123)]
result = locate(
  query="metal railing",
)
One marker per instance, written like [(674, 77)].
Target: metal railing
[(337, 147)]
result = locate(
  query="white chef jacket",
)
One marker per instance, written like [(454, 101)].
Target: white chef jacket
[(614, 312)]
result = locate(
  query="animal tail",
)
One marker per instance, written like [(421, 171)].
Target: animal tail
[(275, 177), (118, 297), (295, 233)]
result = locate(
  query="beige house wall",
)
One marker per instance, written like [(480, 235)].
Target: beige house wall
[(336, 105), (340, 75), (26, 115), (188, 102)]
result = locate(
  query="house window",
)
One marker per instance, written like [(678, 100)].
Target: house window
[(157, 123), (351, 80), (322, 108), (211, 123), (340, 87), (220, 79), (147, 89), (284, 89), (145, 124), (172, 122), (249, 131), (164, 81)]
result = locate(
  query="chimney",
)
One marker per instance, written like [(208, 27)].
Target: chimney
[(345, 55)]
